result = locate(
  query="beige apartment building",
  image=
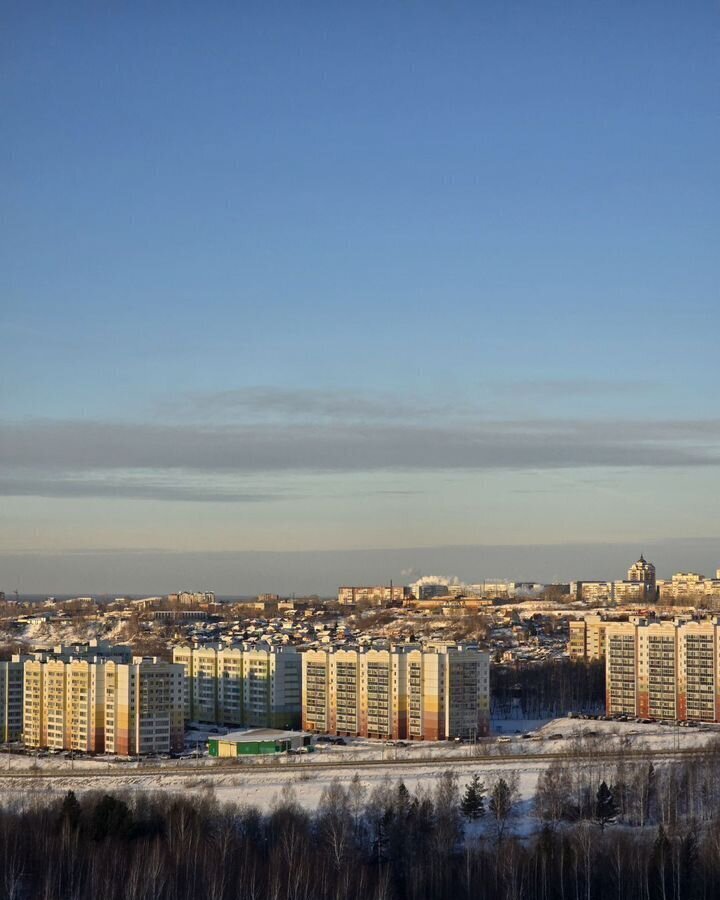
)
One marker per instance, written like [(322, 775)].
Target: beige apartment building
[(241, 685), (632, 592), (102, 705), (664, 670), (597, 592), (621, 668), (143, 707), (691, 588), (429, 692), (587, 638)]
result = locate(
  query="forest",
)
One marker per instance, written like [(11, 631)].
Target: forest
[(591, 832), (548, 689)]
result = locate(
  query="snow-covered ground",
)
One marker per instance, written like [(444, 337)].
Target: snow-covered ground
[(260, 780)]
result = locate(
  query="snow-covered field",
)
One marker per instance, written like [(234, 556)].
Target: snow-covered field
[(259, 781)]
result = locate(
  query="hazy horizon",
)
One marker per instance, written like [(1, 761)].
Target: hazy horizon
[(322, 572)]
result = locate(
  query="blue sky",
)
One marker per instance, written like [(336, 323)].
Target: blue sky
[(316, 279)]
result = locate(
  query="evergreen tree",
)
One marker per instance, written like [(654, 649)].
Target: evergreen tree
[(605, 806), (70, 810), (111, 817), (472, 804), (502, 800)]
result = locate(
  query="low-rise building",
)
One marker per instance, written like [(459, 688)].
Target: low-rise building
[(257, 742)]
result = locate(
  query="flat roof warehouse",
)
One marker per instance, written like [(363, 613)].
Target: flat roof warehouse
[(254, 741)]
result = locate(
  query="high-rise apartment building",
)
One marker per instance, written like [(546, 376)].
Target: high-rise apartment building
[(102, 704), (587, 638), (143, 706), (664, 670), (592, 591), (430, 692), (11, 699), (247, 684), (621, 668)]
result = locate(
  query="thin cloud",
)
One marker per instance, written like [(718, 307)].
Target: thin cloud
[(570, 387), (267, 403), (168, 462), (77, 486), (82, 445)]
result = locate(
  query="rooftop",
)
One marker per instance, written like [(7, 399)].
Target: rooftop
[(257, 734)]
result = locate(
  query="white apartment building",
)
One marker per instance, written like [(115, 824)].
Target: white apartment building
[(246, 684)]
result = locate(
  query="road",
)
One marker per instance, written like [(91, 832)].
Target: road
[(297, 765)]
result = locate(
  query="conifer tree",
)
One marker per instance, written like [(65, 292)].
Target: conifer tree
[(605, 806), (472, 804)]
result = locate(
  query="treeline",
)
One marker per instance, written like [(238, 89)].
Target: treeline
[(668, 796), (550, 688), (637, 834)]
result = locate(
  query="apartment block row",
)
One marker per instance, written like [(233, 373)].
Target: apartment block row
[(663, 670), (253, 685), (98, 698), (430, 692), (93, 698), (690, 587)]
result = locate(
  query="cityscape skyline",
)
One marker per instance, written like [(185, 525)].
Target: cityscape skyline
[(248, 574)]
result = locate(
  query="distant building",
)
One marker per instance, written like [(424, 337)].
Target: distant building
[(632, 592), (712, 587), (424, 591), (430, 692), (640, 585), (684, 586), (192, 598), (375, 595), (597, 592), (179, 615), (642, 571)]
